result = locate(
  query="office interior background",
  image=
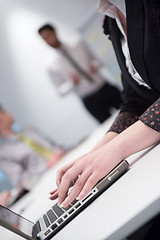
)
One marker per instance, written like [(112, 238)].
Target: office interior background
[(26, 90)]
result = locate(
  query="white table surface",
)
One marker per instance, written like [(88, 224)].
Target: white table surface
[(126, 205)]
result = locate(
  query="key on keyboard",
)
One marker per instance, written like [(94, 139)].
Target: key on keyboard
[(46, 220), (68, 207), (52, 217), (74, 201), (37, 227), (59, 211)]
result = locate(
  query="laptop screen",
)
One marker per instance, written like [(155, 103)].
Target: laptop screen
[(15, 222)]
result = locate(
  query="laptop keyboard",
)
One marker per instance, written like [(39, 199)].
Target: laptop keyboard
[(54, 217)]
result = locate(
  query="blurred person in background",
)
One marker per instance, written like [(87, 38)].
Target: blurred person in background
[(24, 155), (73, 66)]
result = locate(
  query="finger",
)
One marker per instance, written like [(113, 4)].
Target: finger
[(76, 188), (90, 183), (54, 196), (74, 181), (70, 175), (62, 171), (52, 192)]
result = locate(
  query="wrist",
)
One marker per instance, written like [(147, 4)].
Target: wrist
[(118, 145), (135, 138), (107, 138)]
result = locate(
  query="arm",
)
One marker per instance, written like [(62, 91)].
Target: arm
[(93, 63), (122, 121), (107, 138), (61, 81), (95, 165)]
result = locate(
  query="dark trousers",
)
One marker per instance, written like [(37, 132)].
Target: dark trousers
[(100, 103)]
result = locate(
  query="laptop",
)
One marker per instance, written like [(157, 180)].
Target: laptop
[(57, 217)]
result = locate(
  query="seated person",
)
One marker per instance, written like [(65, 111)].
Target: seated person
[(23, 155)]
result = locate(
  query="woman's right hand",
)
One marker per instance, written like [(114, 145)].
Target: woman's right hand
[(85, 172), (107, 138)]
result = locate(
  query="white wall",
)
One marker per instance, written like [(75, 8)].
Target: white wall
[(25, 89)]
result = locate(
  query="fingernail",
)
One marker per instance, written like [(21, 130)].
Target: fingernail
[(64, 204), (59, 204), (80, 197)]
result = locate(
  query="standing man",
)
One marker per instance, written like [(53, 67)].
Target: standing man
[(74, 65)]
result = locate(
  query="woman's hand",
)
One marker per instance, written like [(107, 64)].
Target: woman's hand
[(86, 172), (107, 138)]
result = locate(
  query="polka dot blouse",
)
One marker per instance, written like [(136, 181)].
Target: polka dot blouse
[(151, 117)]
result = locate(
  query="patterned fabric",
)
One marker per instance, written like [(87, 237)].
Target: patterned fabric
[(123, 121), (151, 117)]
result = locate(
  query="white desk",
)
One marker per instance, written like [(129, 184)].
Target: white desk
[(125, 206)]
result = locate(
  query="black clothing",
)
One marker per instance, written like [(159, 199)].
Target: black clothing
[(143, 35), (99, 104)]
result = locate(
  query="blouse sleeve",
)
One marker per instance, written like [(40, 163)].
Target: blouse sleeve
[(123, 121), (151, 117)]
